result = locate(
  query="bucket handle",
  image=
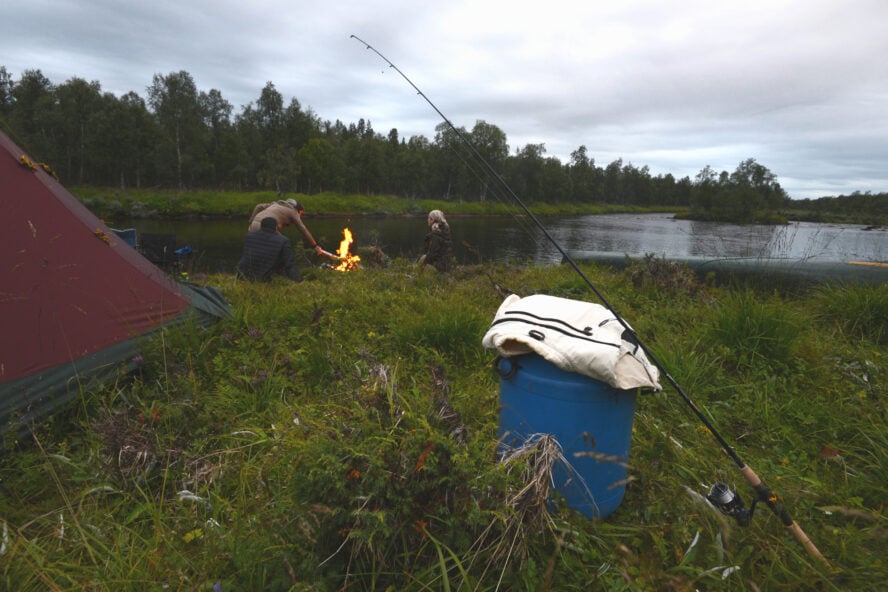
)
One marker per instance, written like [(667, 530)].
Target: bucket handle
[(507, 374)]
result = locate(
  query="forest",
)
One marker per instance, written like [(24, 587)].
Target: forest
[(180, 137)]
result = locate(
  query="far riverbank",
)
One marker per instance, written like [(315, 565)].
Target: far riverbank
[(167, 204), (160, 204)]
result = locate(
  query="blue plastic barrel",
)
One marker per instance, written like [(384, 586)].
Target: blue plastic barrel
[(583, 415)]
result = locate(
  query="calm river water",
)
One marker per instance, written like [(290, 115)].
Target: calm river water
[(216, 244)]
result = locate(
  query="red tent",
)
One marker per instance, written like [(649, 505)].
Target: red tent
[(74, 298)]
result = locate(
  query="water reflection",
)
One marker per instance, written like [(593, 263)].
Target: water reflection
[(217, 243), (710, 239)]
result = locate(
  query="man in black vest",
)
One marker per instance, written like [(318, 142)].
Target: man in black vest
[(267, 251)]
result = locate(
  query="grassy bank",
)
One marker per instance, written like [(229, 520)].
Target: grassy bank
[(176, 204), (341, 434)]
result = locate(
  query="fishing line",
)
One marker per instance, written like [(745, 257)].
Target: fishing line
[(478, 173), (493, 190), (718, 498), (497, 194)]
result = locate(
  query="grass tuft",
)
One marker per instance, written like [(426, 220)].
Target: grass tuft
[(859, 311)]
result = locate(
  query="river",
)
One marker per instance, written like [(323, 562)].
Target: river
[(216, 244)]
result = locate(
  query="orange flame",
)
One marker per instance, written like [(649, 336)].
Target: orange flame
[(347, 261)]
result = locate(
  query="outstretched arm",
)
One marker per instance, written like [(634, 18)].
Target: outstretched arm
[(310, 240)]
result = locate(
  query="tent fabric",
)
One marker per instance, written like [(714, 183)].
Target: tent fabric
[(74, 296), (580, 337)]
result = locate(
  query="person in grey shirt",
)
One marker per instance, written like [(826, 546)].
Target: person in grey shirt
[(266, 251)]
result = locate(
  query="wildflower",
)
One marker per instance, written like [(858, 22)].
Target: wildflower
[(353, 474), (137, 359), (192, 534), (255, 331)]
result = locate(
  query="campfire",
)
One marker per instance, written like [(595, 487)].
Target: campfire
[(347, 261)]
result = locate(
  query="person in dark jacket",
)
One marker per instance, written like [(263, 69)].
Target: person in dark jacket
[(438, 243), (267, 251), (286, 212)]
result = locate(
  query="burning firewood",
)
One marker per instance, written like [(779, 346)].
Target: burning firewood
[(347, 261)]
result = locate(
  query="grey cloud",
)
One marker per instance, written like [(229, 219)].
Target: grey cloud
[(799, 86)]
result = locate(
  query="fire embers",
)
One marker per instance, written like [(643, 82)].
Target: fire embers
[(347, 261)]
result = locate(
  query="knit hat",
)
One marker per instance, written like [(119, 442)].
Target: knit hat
[(296, 205)]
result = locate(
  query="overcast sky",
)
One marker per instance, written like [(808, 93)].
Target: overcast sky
[(800, 86)]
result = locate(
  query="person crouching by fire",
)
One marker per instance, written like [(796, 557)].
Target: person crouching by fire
[(438, 243), (285, 212), (266, 252)]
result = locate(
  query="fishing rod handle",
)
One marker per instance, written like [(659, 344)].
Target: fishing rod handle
[(766, 496), (801, 537)]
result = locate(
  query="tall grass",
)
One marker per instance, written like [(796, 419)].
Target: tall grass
[(754, 332), (341, 434), (860, 312)]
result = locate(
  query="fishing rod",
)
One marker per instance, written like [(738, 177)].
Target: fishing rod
[(720, 496)]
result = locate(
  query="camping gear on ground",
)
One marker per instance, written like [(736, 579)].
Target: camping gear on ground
[(567, 370), (160, 249), (78, 299), (128, 235), (590, 420), (581, 337)]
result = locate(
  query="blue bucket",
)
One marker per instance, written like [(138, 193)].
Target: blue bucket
[(583, 415)]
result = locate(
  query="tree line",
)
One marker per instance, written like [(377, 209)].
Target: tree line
[(181, 137)]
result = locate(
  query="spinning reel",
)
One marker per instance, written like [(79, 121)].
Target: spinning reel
[(729, 503)]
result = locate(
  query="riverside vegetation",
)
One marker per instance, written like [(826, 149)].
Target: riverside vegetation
[(341, 434), (136, 203), (156, 204)]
